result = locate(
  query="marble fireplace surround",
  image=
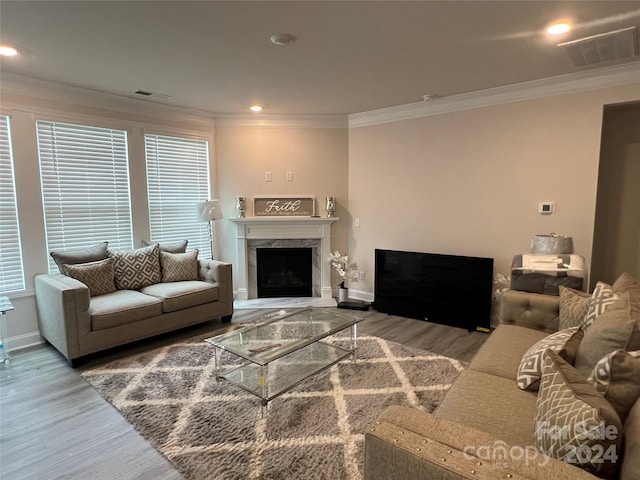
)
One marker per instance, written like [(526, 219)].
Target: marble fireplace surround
[(282, 232)]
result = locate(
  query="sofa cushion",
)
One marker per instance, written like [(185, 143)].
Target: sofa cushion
[(97, 276), (180, 295), (178, 267), (173, 247), (574, 423), (617, 377), (122, 307), (136, 268), (611, 331), (492, 404), (82, 255), (574, 306), (531, 365), (502, 351)]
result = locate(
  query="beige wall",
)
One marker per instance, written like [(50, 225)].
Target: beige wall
[(318, 158), (469, 182), (617, 225)]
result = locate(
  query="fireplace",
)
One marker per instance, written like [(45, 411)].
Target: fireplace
[(282, 232), (284, 272)]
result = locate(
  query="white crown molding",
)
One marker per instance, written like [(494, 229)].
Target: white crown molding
[(27, 91), (281, 121), (547, 87)]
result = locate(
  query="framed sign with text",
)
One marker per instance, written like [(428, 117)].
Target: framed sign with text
[(284, 206)]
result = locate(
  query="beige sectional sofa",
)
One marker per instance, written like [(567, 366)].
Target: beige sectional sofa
[(147, 292), (485, 426)]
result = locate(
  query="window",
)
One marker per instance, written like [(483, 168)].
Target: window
[(177, 179), (11, 272), (85, 186)]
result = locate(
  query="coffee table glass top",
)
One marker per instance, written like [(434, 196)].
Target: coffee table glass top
[(282, 333)]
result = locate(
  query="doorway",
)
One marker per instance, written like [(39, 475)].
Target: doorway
[(616, 237)]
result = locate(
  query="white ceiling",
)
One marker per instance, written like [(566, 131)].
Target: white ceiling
[(351, 56)]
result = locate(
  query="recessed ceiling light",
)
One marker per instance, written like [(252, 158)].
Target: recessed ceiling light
[(558, 28), (255, 108), (8, 51), (282, 39)]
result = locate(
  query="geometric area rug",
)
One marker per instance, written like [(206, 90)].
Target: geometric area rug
[(214, 430)]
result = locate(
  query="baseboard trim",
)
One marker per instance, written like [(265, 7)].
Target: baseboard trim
[(360, 295), (26, 340)]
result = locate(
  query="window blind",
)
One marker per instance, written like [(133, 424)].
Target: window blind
[(177, 179), (85, 186), (11, 271)]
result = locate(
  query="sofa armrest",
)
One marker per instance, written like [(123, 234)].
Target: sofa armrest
[(411, 444), (63, 312), (532, 310), (214, 271)]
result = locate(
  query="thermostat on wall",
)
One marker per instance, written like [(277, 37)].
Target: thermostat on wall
[(547, 208)]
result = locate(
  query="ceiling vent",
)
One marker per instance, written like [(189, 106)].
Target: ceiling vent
[(616, 45), (145, 93)]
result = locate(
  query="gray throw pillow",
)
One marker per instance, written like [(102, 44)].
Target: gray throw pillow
[(628, 284), (574, 423), (178, 267), (611, 331), (173, 247), (135, 269), (81, 255), (97, 276), (617, 377), (574, 306)]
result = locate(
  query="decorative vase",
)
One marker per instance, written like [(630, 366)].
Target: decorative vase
[(241, 206), (330, 206), (343, 295)]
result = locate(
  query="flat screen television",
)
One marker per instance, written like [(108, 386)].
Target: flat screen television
[(449, 289)]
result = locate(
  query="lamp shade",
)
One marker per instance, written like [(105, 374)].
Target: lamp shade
[(209, 210)]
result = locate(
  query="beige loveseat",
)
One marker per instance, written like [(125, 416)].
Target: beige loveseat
[(485, 423), (78, 322)]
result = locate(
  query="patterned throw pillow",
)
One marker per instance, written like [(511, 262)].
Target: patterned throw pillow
[(574, 306), (175, 247), (574, 423), (617, 377), (98, 276), (530, 368), (136, 268), (82, 255), (178, 267), (601, 298)]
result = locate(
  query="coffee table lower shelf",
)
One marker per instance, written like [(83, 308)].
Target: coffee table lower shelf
[(279, 376)]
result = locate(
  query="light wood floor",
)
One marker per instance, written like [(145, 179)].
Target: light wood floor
[(53, 425)]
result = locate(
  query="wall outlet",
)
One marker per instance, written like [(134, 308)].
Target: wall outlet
[(268, 176), (356, 222), (360, 275)]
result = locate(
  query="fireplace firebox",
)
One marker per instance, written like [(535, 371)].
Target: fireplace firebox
[(284, 272)]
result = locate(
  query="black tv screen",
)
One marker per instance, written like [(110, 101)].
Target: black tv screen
[(449, 289)]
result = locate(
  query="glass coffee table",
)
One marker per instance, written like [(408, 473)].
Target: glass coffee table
[(284, 349)]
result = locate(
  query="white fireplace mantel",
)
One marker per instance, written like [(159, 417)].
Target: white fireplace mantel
[(281, 228)]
